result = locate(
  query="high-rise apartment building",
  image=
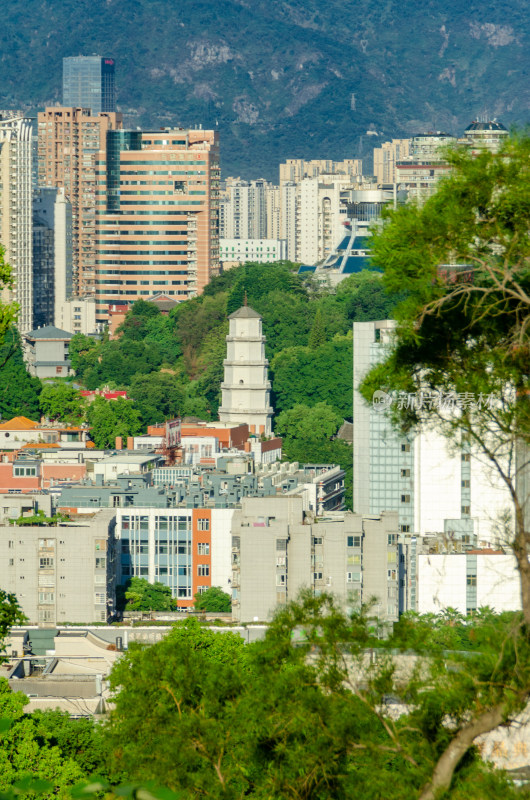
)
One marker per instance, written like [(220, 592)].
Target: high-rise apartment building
[(434, 487), (157, 215), (244, 209), (52, 256), (295, 169), (69, 141), (88, 82), (16, 223), (485, 134), (386, 158), (320, 217)]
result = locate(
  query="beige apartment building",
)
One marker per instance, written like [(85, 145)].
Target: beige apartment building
[(277, 552), (69, 141), (16, 224), (386, 158), (295, 169), (157, 215), (64, 573)]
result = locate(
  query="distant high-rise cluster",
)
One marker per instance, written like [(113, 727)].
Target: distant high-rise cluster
[(97, 216)]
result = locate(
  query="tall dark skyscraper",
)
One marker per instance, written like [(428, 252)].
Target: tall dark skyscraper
[(88, 82)]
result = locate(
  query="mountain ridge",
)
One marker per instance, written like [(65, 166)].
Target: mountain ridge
[(281, 79)]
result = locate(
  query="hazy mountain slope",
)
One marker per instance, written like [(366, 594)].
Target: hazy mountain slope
[(282, 79)]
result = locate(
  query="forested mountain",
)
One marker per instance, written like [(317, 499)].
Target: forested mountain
[(281, 79)]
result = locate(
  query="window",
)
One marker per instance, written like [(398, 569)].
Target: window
[(405, 473), (391, 556), (405, 498), (392, 574), (280, 579), (354, 541), (405, 448), (317, 540), (466, 484), (404, 528), (203, 570), (202, 589), (46, 563), (317, 576), (466, 457), (203, 549), (281, 544), (46, 597), (101, 563), (203, 524), (466, 510), (100, 598), (471, 580), (351, 577), (11, 562)]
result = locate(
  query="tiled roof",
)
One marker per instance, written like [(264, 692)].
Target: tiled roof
[(19, 424), (49, 332), (245, 312)]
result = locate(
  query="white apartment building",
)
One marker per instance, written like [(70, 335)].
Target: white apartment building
[(467, 582), (320, 217), (243, 209), (16, 224), (434, 487), (78, 315), (233, 252)]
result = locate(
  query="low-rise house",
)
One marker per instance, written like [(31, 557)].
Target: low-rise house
[(46, 352)]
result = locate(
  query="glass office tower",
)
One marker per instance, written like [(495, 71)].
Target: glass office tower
[(88, 82)]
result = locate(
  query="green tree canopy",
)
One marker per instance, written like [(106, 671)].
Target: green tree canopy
[(306, 713), (158, 396), (19, 391), (144, 596), (111, 418), (61, 401), (464, 331), (213, 599), (306, 376)]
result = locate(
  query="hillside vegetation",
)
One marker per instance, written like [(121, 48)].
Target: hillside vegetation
[(281, 79)]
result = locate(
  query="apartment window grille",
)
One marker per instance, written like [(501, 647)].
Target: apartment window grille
[(203, 549), (203, 570)]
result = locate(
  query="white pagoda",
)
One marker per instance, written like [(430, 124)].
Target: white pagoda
[(246, 387)]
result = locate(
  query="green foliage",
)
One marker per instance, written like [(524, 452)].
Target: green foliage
[(61, 401), (82, 352), (10, 614), (213, 599), (256, 281), (111, 418), (19, 391), (44, 753), (40, 519), (305, 713), (158, 396), (144, 596), (302, 375)]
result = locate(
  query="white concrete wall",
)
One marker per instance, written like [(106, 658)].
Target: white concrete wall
[(498, 584), (441, 583), (222, 548)]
